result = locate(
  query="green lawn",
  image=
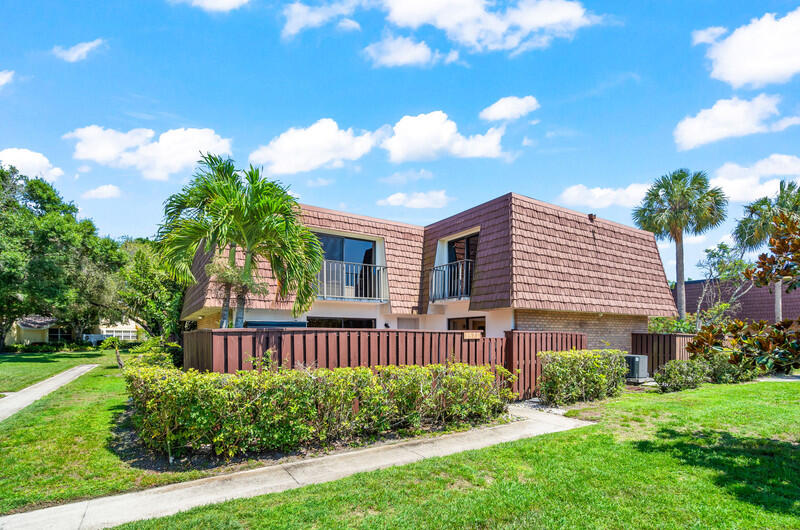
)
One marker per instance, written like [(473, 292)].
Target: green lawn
[(718, 456), (59, 449), (18, 370)]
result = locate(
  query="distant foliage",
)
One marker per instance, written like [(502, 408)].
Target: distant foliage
[(581, 375), (677, 375), (671, 325), (177, 412)]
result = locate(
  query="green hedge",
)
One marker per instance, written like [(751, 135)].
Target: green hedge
[(679, 375), (177, 411), (581, 375)]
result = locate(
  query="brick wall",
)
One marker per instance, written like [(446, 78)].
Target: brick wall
[(614, 329)]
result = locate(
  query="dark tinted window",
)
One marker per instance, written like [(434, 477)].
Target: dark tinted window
[(332, 322), (351, 250), (463, 324)]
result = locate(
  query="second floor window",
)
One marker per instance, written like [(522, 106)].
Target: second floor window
[(462, 248), (348, 249)]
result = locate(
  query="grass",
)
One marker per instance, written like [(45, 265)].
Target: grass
[(718, 456), (18, 370), (59, 448)]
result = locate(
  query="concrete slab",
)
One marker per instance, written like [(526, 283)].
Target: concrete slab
[(17, 401), (781, 378), (166, 500)]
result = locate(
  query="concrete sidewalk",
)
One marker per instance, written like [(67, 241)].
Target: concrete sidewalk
[(166, 500), (16, 401)]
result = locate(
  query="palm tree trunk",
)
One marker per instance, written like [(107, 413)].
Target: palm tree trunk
[(226, 307), (224, 319), (778, 300), (680, 288), (242, 293)]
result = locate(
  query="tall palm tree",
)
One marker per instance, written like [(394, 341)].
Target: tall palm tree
[(755, 228), (260, 220), (215, 176), (681, 202)]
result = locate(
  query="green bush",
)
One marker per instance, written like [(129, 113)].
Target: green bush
[(581, 375), (154, 345), (177, 411), (679, 375)]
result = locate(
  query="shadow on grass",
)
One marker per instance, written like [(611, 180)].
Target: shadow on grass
[(46, 357), (761, 471)]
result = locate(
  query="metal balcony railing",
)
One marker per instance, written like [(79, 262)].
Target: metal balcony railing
[(452, 280), (341, 280)]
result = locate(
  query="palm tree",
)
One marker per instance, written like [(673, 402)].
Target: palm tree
[(215, 176), (681, 203), (260, 220), (755, 228)]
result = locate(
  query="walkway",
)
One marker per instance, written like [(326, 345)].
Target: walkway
[(16, 401), (166, 500)]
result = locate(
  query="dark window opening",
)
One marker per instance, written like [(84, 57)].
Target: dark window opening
[(462, 248), (467, 324), (348, 249), (59, 335), (333, 322)]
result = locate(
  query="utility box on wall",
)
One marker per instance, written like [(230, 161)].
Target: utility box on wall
[(637, 368)]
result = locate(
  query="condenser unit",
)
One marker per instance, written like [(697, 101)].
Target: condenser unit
[(637, 368)]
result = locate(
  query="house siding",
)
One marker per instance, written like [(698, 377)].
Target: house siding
[(491, 284), (609, 328)]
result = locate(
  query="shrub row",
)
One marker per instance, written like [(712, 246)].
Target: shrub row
[(47, 347), (581, 375), (177, 411), (715, 368)]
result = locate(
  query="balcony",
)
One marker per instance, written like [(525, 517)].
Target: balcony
[(452, 280), (342, 280)]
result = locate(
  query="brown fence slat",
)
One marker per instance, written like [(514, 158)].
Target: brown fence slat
[(660, 348)]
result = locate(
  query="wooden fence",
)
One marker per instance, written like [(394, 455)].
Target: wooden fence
[(660, 347), (230, 350)]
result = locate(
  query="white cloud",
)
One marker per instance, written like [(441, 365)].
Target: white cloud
[(106, 191), (426, 199), (580, 195), (323, 144), (6, 76), (300, 16), (79, 52), (427, 136), (509, 108), (767, 50), (527, 142), (399, 51), (708, 35), (319, 182), (215, 5), (85, 168), (404, 177), (729, 118), (695, 240), (30, 163), (744, 184), (348, 24), (174, 150), (521, 26)]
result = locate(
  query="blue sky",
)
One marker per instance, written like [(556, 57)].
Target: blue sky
[(387, 107)]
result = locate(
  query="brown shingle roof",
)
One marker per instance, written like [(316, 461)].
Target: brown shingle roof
[(531, 255)]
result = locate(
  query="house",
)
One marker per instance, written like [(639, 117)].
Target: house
[(510, 263), (757, 304), (37, 329)]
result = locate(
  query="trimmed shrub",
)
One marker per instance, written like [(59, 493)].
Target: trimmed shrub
[(177, 411), (581, 375), (679, 375)]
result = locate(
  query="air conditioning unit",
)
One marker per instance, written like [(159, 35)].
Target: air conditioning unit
[(637, 368)]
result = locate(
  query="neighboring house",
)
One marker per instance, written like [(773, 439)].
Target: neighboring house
[(757, 304), (35, 329), (510, 263)]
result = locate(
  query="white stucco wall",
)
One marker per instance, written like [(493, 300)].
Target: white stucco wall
[(498, 321)]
